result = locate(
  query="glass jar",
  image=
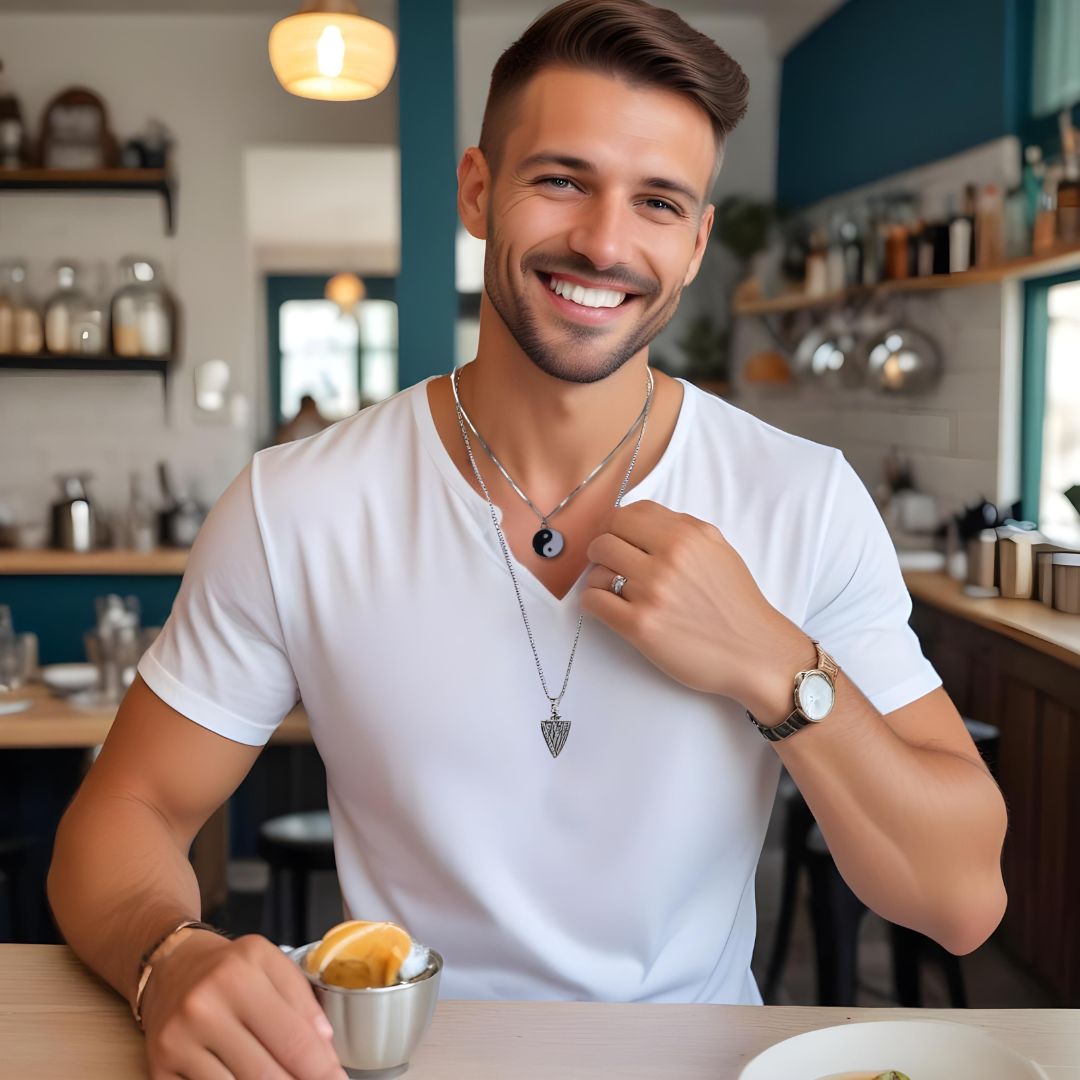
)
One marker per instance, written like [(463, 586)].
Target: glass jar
[(88, 323), (28, 335), (61, 307), (7, 310), (142, 313)]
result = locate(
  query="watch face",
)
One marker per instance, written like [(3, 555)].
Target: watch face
[(815, 697)]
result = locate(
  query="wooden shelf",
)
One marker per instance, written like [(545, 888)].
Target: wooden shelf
[(1030, 266), (78, 362), (167, 561), (154, 181)]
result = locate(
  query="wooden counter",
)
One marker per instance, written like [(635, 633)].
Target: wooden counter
[(1016, 664), (1028, 622), (169, 561), (53, 722), (57, 1020)]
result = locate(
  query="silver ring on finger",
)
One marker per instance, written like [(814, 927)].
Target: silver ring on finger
[(618, 583)]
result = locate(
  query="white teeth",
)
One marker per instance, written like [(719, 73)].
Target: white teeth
[(585, 297)]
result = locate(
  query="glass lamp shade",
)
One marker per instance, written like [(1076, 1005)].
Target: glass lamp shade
[(346, 290), (332, 54)]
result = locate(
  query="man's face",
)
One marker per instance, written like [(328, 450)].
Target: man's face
[(601, 187)]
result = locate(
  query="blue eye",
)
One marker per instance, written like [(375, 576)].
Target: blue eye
[(557, 182)]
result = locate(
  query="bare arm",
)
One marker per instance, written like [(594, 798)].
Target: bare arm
[(120, 879), (909, 811), (120, 876)]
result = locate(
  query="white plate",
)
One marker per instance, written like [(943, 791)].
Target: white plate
[(69, 678), (10, 708), (924, 1049)]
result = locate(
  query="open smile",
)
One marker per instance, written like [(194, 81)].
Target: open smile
[(584, 303)]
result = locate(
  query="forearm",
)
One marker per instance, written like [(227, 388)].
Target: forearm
[(916, 832), (119, 879)]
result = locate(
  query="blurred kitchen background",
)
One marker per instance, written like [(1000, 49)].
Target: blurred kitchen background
[(218, 232)]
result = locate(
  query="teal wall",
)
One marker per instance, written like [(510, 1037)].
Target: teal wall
[(426, 287), (59, 608), (881, 87)]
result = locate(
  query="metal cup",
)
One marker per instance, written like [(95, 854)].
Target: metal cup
[(377, 1030)]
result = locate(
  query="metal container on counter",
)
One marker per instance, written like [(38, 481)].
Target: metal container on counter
[(74, 521)]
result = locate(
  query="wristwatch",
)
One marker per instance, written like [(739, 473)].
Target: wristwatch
[(815, 695)]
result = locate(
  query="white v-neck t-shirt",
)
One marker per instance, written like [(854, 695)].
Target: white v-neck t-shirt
[(358, 570)]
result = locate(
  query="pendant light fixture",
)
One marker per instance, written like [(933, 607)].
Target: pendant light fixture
[(329, 51), (346, 290)]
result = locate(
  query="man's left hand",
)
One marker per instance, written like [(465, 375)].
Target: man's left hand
[(691, 606)]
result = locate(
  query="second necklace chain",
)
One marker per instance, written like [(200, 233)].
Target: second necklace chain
[(548, 542)]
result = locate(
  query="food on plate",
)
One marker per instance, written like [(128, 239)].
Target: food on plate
[(360, 955), (888, 1074)]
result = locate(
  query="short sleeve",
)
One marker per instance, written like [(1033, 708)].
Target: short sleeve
[(220, 659), (859, 606)]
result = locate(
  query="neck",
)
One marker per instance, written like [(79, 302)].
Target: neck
[(549, 433)]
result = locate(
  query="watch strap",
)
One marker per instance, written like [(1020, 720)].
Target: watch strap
[(797, 720)]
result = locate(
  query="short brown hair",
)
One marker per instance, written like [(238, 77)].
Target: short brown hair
[(629, 39)]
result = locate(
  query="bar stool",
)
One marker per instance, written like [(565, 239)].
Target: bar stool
[(14, 851), (837, 913), (294, 845)]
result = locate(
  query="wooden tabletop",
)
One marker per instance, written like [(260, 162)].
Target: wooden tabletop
[(59, 1021), (168, 561), (53, 722), (1027, 621)]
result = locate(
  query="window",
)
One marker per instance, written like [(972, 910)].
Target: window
[(1052, 406), (343, 361)]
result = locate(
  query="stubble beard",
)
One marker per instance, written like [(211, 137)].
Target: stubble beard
[(582, 356)]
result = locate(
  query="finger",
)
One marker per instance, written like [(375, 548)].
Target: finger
[(613, 611), (289, 1037), (603, 578), (240, 1054), (292, 984), (646, 525), (204, 1065), (607, 549)]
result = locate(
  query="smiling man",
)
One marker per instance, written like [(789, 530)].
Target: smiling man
[(557, 621)]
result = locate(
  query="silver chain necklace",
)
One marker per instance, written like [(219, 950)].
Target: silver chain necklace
[(548, 542), (555, 730)]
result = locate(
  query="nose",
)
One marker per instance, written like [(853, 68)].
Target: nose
[(603, 232)]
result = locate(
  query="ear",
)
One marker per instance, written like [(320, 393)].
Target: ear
[(474, 191), (701, 241)]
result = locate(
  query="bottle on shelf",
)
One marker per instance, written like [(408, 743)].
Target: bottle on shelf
[(990, 227), (1044, 232), (1017, 229), (61, 307), (817, 275), (835, 270), (142, 521), (142, 313), (1068, 190), (1031, 180), (851, 243)]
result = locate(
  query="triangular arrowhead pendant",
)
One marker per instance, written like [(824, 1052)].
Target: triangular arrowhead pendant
[(556, 732)]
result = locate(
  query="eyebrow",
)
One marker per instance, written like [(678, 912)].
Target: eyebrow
[(576, 164)]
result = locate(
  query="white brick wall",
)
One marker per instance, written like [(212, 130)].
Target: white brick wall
[(959, 435)]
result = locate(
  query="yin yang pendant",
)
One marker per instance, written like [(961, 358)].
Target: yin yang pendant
[(547, 542)]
